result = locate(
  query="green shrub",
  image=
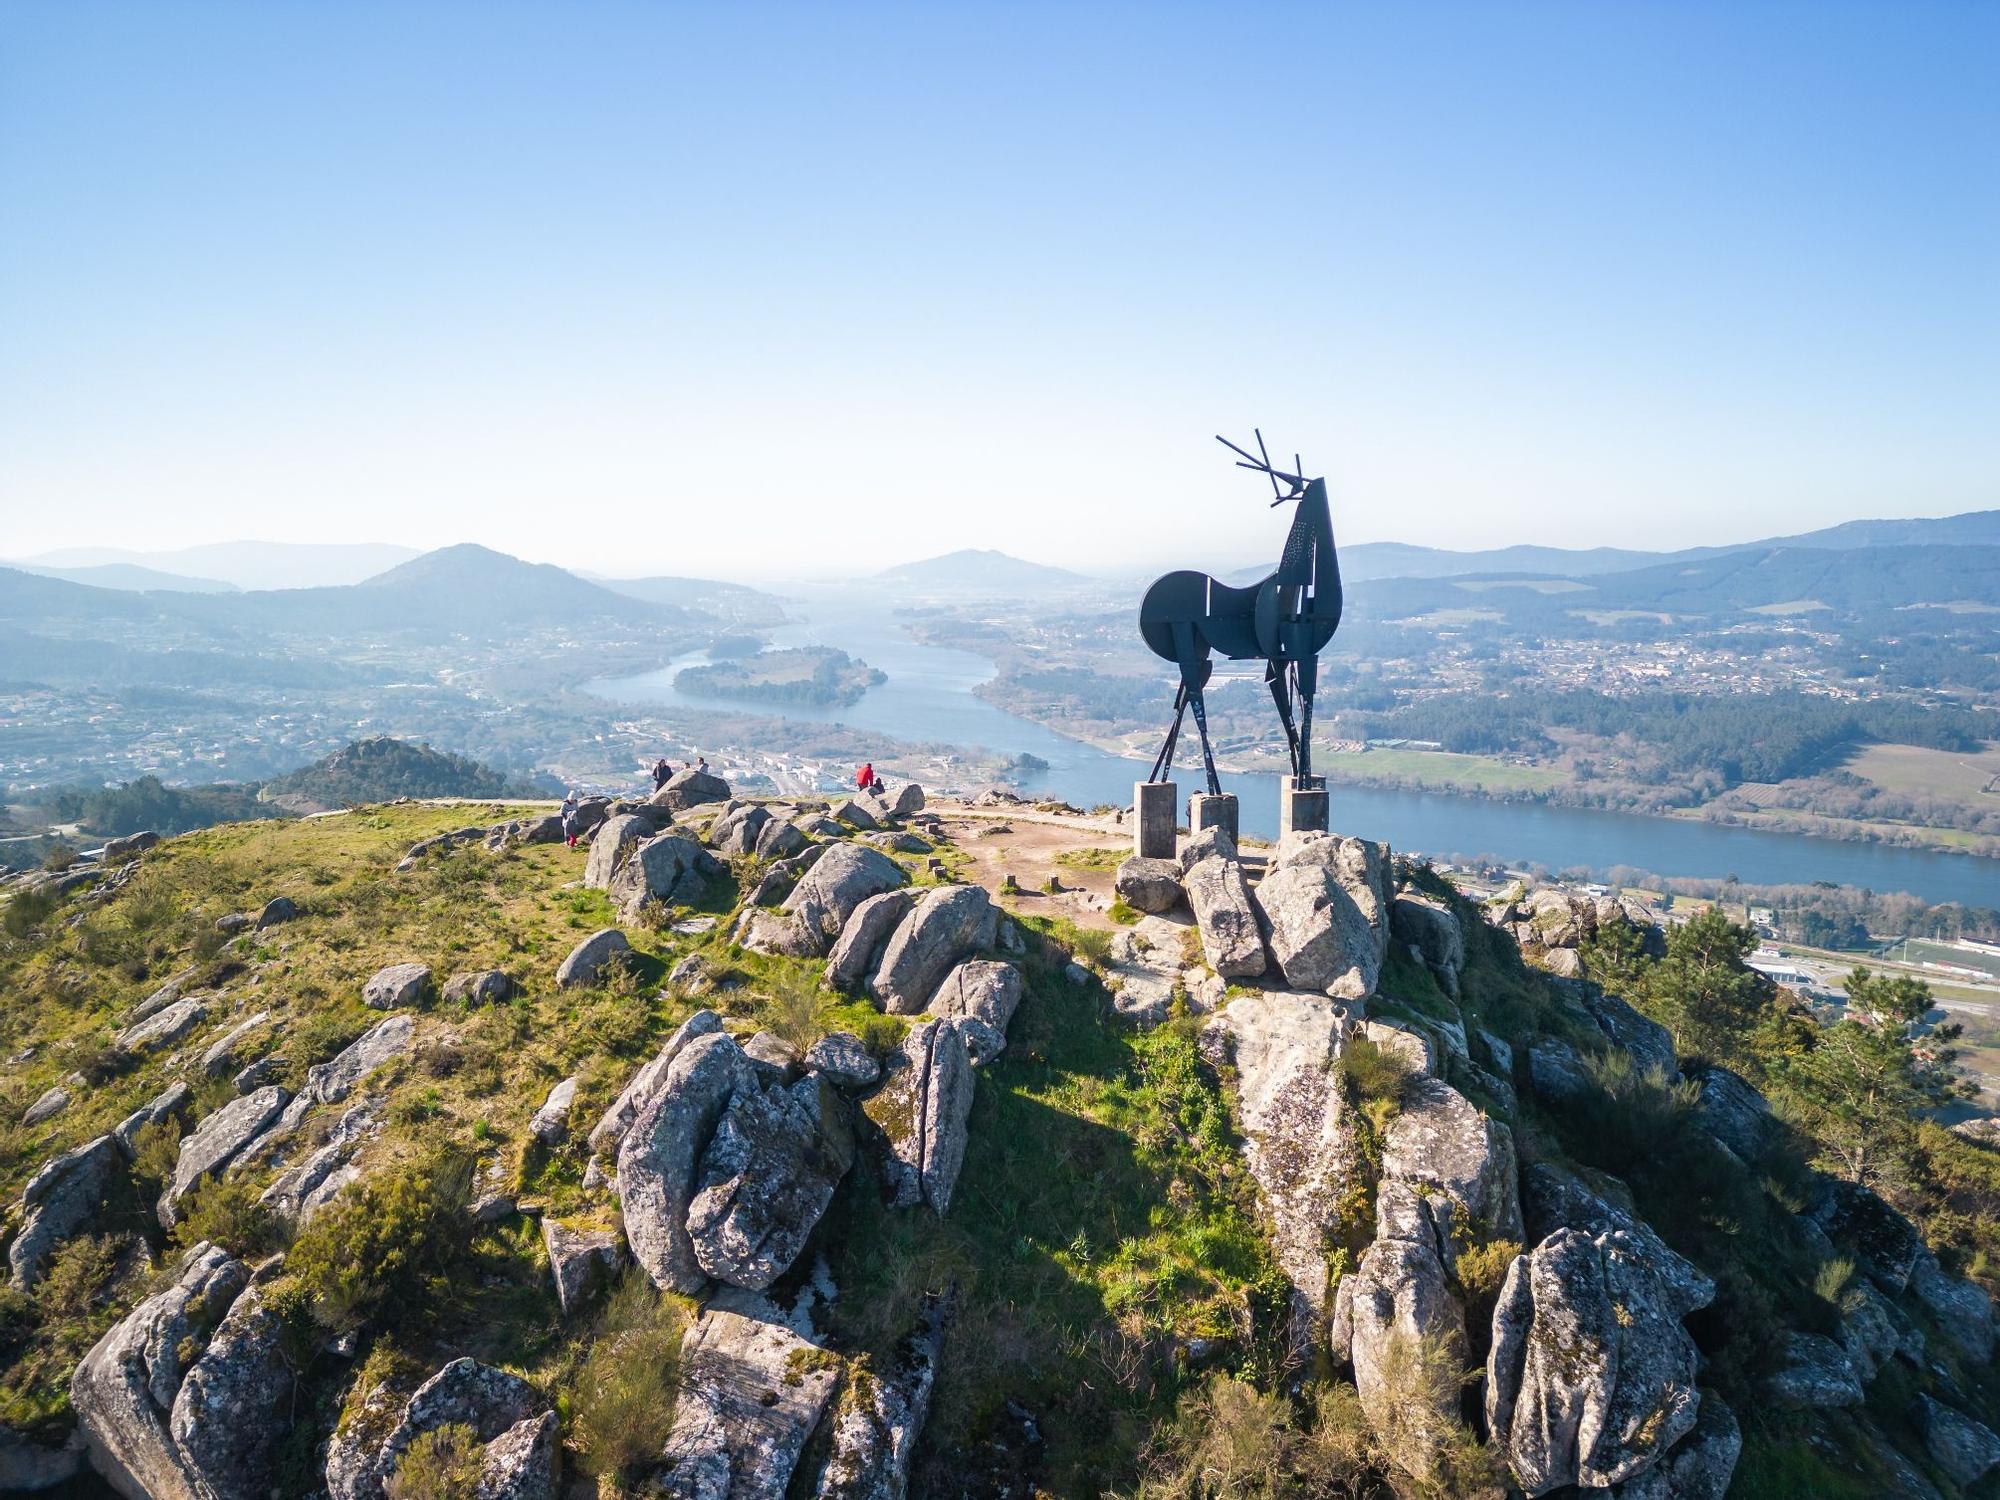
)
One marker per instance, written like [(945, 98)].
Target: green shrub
[(26, 912), (792, 1009), (156, 1148), (442, 1464), (1830, 1283), (622, 1403), (386, 1240), (1092, 945), (1374, 1073), (227, 1212), (77, 1274)]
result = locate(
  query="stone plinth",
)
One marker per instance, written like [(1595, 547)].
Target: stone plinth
[(1303, 809), (1155, 805), (1213, 810)]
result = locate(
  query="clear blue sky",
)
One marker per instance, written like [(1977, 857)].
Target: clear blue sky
[(671, 288)]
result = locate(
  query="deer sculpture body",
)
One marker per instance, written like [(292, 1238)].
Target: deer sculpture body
[(1284, 620)]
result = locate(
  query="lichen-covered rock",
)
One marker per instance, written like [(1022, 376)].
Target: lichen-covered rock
[(921, 1109), (1232, 938), (843, 1059), (1325, 901), (164, 1027), (982, 996), (1815, 1372), (1591, 1375), (823, 900), (859, 948), (331, 1082), (1297, 1138), (233, 1407), (581, 1260), (737, 830), (221, 1053), (1700, 1465), (1733, 1112), (944, 927), (609, 846), (1556, 1072), (660, 1155), (524, 1462), (363, 1454), (1874, 1331), (51, 1103), (1149, 885), (550, 1123), (123, 1390), (667, 869), (217, 1141), (645, 1084), (296, 1194), (855, 815), (479, 987), (878, 1422), (1431, 928), (396, 986), (1649, 1044), (690, 788), (1964, 1449), (1884, 1244), (1441, 1140), (165, 1105), (1399, 1296), (767, 1174), (64, 1195), (753, 1388), (1963, 1310), (779, 840), (588, 959)]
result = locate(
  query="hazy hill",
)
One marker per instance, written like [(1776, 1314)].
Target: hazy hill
[(249, 565), (731, 601), (133, 577), (980, 570), (383, 769)]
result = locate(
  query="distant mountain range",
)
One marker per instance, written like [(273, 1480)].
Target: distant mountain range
[(133, 578), (981, 571), (245, 565)]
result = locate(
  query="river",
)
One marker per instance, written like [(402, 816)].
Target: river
[(929, 696)]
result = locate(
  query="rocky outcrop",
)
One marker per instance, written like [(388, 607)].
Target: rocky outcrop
[(1814, 1371), (171, 1102), (876, 1426), (1963, 1310), (588, 959), (1964, 1449), (1556, 1072), (982, 996), (1212, 879), (165, 1026), (690, 788), (922, 1109), (1441, 1142), (296, 1194), (779, 840), (233, 1407), (611, 844), (583, 1261), (1591, 1375), (125, 1388), (331, 1082), (1733, 1112), (51, 1103), (646, 1083), (668, 869), (221, 1054), (737, 830), (396, 986), (217, 1141), (726, 1171), (859, 947), (1325, 902), (767, 1175), (364, 1452), (1430, 930), (1396, 1301), (754, 1386), (550, 1123), (62, 1197), (818, 908), (944, 927), (479, 987), (1149, 885), (1885, 1245), (1297, 1138), (843, 1060), (1700, 1465), (1649, 1044)]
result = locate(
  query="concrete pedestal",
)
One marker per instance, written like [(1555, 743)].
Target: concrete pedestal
[(1156, 808), (1304, 810), (1213, 810)]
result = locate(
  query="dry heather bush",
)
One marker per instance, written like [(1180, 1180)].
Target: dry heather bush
[(793, 1009), (622, 1402)]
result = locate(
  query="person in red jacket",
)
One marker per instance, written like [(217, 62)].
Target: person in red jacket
[(865, 777)]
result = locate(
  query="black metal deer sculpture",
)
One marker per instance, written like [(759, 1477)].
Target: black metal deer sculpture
[(1286, 620)]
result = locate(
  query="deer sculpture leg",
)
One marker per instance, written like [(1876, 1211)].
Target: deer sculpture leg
[(1192, 653), (1163, 763), (1279, 683), (1307, 670)]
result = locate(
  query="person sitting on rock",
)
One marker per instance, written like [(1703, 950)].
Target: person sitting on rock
[(865, 777), (703, 766)]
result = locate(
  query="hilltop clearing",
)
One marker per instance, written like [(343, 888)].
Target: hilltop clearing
[(891, 1145)]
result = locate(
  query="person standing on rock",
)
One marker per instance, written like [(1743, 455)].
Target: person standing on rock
[(569, 817), (662, 773)]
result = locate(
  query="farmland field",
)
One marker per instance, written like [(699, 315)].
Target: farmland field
[(1915, 771)]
